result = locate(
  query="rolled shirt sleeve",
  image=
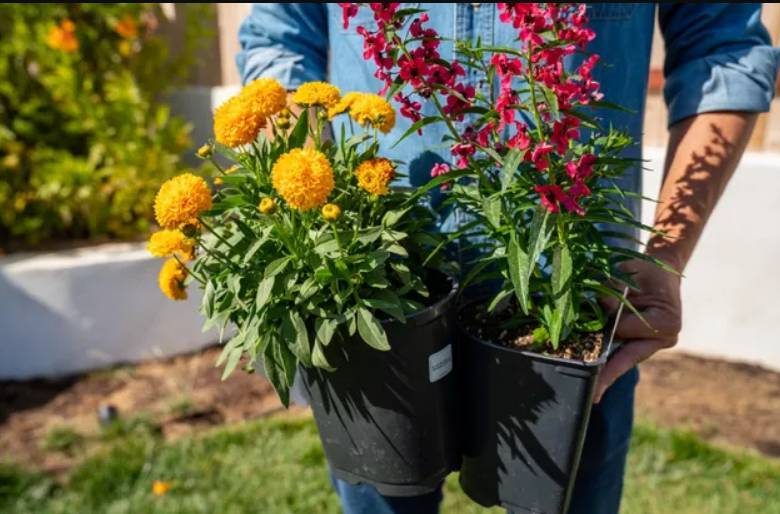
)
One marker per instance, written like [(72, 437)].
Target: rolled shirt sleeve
[(288, 42), (718, 58)]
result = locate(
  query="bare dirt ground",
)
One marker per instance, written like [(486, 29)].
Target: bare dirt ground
[(727, 403)]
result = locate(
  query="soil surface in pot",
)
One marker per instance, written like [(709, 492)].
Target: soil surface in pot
[(492, 327)]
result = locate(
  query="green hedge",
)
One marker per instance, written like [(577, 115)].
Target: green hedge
[(84, 140)]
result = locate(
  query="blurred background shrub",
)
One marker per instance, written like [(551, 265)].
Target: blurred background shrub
[(85, 140)]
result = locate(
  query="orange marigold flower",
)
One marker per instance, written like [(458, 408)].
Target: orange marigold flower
[(167, 243), (127, 27), (264, 97), (303, 177), (366, 109), (375, 175), (316, 93), (236, 122), (344, 104), (160, 487), (180, 201), (63, 37), (171, 280)]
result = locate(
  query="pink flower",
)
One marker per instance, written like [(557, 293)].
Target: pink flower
[(384, 13), (549, 196), (409, 109), (582, 169), (506, 68), (416, 29), (505, 105), (412, 70), (459, 101), (521, 140), (348, 10), (564, 131), (441, 168), (539, 155), (462, 151)]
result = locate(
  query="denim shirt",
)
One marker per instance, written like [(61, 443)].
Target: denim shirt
[(718, 57)]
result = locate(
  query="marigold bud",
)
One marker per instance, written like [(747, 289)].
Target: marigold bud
[(204, 152), (283, 123), (267, 206), (331, 212)]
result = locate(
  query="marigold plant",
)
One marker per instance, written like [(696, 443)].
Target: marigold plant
[(531, 164), (303, 246)]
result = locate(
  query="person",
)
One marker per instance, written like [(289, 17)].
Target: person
[(719, 73)]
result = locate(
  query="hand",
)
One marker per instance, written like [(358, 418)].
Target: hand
[(658, 300)]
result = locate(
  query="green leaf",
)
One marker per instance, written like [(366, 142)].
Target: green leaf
[(207, 304), (392, 217), (497, 299), (417, 125), (537, 237), (371, 330), (300, 131), (369, 235), (398, 250), (325, 328), (300, 336), (288, 362), (318, 358), (561, 287), (275, 373), (492, 208), (518, 262), (264, 290), (231, 354), (276, 267), (512, 160), (389, 304)]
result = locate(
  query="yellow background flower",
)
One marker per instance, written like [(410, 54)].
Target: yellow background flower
[(180, 201), (316, 93), (171, 280), (375, 175), (303, 177), (264, 97), (63, 37), (160, 487), (331, 212), (167, 243), (237, 123)]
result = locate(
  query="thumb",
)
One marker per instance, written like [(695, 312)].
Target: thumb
[(628, 356)]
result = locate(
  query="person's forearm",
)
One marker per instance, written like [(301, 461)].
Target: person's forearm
[(703, 153)]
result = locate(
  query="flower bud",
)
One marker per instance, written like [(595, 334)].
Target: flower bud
[(283, 123), (204, 152), (331, 212), (267, 206)]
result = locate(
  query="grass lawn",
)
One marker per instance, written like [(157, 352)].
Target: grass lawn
[(276, 466)]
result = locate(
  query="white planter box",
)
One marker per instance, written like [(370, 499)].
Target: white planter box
[(75, 310)]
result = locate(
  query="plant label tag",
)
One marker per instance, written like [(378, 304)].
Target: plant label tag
[(440, 364)]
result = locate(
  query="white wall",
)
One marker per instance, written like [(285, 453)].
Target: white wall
[(731, 306), (77, 310)]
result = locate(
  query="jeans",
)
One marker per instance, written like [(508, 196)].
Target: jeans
[(599, 483)]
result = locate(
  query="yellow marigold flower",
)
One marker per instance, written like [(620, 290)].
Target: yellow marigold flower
[(204, 152), (237, 123), (331, 212), (267, 206), (180, 201), (375, 175), (167, 243), (127, 27), (344, 104), (317, 93), (303, 177), (160, 487), (171, 280), (371, 109), (63, 37), (264, 97)]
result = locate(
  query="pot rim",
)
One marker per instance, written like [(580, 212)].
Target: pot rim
[(577, 363), (430, 312)]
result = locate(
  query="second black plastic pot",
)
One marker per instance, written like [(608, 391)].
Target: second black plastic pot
[(525, 418), (389, 418)]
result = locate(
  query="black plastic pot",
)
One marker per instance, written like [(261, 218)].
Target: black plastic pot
[(525, 420), (389, 418)]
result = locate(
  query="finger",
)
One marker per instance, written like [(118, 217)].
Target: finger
[(610, 303), (656, 322), (628, 356)]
